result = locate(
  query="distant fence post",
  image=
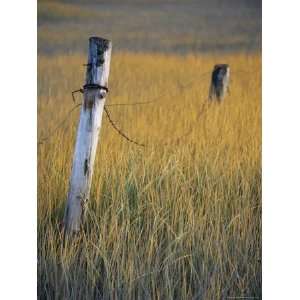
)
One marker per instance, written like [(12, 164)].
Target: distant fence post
[(219, 85), (94, 91)]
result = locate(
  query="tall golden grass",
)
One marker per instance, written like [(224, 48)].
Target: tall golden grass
[(179, 219)]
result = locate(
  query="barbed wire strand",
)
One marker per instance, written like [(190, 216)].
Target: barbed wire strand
[(155, 99), (43, 140), (121, 133), (124, 135), (167, 93), (188, 132)]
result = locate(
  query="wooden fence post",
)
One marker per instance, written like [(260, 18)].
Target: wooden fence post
[(219, 82), (94, 92)]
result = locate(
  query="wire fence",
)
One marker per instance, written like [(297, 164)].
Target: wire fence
[(203, 109)]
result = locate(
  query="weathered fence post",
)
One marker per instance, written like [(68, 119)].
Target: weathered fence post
[(219, 82), (94, 92)]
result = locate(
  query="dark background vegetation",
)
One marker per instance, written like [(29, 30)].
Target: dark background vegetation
[(151, 26)]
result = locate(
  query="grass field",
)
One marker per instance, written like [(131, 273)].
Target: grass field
[(168, 26), (179, 219)]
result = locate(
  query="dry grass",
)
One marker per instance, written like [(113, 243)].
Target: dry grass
[(168, 26), (181, 221)]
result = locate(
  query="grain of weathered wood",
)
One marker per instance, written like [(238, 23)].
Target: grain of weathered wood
[(88, 132)]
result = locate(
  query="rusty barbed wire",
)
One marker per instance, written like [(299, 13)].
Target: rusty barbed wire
[(155, 99), (129, 139), (43, 140), (81, 90), (121, 133), (116, 127), (188, 132), (74, 92)]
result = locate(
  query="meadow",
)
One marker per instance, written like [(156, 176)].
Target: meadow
[(181, 217), (178, 219), (161, 26)]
